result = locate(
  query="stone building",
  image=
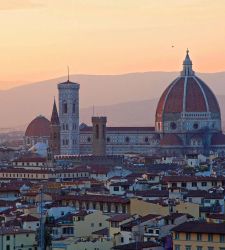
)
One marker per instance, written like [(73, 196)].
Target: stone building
[(99, 136), (69, 117), (187, 121)]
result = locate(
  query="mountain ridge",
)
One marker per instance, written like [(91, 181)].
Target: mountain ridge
[(20, 105)]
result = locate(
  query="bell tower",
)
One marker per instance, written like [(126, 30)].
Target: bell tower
[(99, 135), (69, 117)]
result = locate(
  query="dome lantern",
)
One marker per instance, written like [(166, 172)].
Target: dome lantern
[(187, 66)]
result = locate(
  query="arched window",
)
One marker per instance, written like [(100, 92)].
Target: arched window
[(127, 139), (103, 131), (97, 131), (74, 107), (28, 140), (64, 107)]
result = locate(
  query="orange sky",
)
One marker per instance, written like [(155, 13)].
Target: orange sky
[(39, 38)]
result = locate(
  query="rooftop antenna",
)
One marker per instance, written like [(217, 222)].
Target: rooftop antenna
[(68, 71)]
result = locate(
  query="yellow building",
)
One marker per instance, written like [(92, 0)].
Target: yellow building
[(86, 243), (199, 236), (12, 238), (141, 207), (187, 208), (85, 225)]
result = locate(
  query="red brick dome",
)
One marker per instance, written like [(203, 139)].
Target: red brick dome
[(189, 98), (189, 94), (171, 140), (39, 127)]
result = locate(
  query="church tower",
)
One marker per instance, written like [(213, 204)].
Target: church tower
[(69, 117), (99, 135), (54, 142)]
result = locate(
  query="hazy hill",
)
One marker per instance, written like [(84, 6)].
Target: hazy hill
[(140, 113), (120, 97)]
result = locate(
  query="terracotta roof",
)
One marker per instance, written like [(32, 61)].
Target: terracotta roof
[(81, 213), (28, 218), (121, 129), (174, 100), (186, 94), (171, 139), (140, 220), (212, 101), (152, 193), (162, 167), (38, 127), (99, 170), (160, 106), (119, 217), (25, 171), (30, 159), (174, 216), (13, 223), (11, 230), (137, 246), (218, 139), (204, 194), (178, 178), (195, 101), (93, 198), (200, 227)]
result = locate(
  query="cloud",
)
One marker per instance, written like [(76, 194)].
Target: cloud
[(19, 4)]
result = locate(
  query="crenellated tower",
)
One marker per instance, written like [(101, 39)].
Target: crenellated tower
[(99, 135)]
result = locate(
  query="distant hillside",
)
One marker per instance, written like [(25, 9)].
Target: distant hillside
[(141, 113), (20, 105)]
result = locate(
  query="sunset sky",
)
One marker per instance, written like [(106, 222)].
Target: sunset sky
[(39, 38)]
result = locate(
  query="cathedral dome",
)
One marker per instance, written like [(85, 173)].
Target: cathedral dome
[(187, 97), (39, 127)]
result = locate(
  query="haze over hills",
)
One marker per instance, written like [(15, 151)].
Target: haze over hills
[(128, 99)]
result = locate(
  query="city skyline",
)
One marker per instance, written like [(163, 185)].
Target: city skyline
[(40, 38)]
